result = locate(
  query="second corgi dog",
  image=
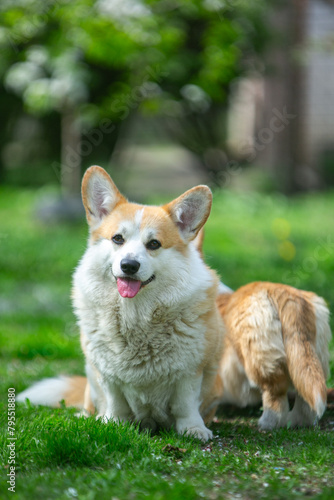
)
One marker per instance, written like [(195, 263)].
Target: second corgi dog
[(276, 339)]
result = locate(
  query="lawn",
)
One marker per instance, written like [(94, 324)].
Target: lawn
[(58, 456)]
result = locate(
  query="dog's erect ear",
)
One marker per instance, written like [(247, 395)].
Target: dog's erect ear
[(190, 211), (99, 194)]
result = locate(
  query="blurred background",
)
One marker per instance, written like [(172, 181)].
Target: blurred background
[(168, 93), (165, 95)]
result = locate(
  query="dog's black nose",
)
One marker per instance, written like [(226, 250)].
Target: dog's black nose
[(129, 266)]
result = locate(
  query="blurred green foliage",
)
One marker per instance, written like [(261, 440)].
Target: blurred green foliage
[(108, 59), (54, 52)]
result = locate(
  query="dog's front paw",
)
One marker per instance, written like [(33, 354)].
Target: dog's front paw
[(201, 433), (102, 417), (194, 427)]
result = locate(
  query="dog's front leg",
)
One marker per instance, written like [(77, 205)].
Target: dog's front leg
[(116, 406), (185, 408)]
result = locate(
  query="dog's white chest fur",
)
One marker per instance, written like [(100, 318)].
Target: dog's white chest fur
[(139, 350)]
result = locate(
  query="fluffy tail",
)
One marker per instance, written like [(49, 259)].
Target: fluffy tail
[(307, 374), (306, 334), (51, 391)]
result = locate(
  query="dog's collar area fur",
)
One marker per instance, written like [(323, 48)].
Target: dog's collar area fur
[(144, 283)]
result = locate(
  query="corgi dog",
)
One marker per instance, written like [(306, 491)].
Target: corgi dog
[(146, 306), (276, 339)]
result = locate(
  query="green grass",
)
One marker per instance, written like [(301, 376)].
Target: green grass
[(59, 456)]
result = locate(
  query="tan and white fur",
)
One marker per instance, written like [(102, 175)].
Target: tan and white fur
[(276, 339), (145, 302)]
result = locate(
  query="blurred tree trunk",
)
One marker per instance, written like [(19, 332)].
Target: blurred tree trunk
[(204, 134), (298, 105), (70, 153), (2, 167), (286, 154), (67, 207)]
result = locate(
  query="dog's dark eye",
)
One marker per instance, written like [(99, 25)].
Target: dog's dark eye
[(118, 239), (153, 245)]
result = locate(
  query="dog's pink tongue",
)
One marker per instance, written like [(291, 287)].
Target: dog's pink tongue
[(128, 288)]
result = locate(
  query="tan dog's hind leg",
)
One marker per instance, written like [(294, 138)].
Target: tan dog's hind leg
[(275, 403), (260, 343), (301, 415)]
